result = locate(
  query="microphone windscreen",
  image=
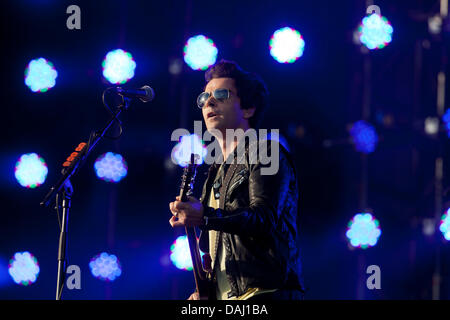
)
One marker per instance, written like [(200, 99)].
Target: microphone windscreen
[(150, 94)]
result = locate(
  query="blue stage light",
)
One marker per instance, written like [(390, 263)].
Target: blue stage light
[(200, 52), (364, 136), (375, 32), (110, 167), (180, 254), (181, 153), (363, 231), (40, 75), (286, 45), (23, 268), (118, 66), (31, 170), (446, 120), (105, 267), (445, 225)]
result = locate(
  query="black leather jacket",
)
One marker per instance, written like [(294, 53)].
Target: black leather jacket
[(257, 220)]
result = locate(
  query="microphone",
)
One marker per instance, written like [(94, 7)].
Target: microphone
[(145, 93)]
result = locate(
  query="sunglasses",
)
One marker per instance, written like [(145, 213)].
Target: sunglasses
[(219, 94)]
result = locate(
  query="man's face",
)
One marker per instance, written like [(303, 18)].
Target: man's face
[(227, 113)]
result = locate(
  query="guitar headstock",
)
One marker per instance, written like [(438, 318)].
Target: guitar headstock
[(187, 180)]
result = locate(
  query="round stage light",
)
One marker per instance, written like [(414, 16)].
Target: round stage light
[(105, 267), (31, 170), (181, 153), (364, 136), (180, 254), (445, 225), (110, 167), (286, 45), (200, 52), (375, 32), (23, 268), (446, 120), (40, 75), (363, 231), (118, 66)]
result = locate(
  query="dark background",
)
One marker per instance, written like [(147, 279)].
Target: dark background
[(312, 100)]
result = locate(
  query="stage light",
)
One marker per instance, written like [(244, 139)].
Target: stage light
[(200, 52), (446, 120), (40, 75), (428, 226), (23, 268), (105, 267), (435, 24), (375, 32), (445, 225), (286, 45), (175, 66), (431, 125), (181, 153), (180, 254), (31, 170), (364, 136), (110, 167), (363, 231), (118, 66)]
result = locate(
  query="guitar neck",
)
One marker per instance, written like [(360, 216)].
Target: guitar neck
[(201, 281), (197, 267)]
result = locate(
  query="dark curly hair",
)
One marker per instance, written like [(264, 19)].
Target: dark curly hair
[(251, 89)]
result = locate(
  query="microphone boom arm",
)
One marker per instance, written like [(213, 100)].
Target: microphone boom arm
[(79, 161)]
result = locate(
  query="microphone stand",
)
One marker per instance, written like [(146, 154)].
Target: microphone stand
[(67, 197), (64, 188)]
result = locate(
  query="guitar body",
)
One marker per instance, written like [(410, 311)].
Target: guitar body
[(202, 284)]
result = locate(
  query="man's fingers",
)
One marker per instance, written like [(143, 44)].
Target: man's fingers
[(174, 222), (172, 208), (192, 199), (194, 296), (181, 205), (177, 204), (185, 213), (177, 224)]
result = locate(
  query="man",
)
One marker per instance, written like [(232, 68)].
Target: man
[(248, 219)]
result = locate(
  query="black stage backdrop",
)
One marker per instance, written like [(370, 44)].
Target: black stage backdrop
[(313, 101)]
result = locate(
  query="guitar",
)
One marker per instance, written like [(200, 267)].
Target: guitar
[(187, 182)]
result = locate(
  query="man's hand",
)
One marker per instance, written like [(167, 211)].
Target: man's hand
[(188, 214), (194, 296)]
